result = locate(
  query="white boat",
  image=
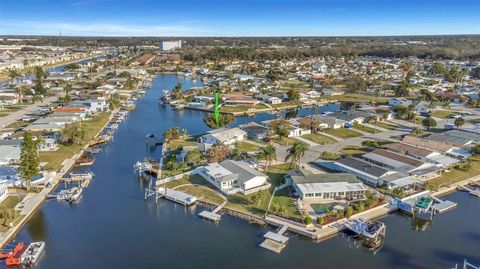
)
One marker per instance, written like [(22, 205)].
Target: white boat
[(32, 253), (75, 193), (366, 228), (77, 176)]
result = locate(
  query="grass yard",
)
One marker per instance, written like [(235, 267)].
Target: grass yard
[(54, 159), (246, 147), (353, 150), (9, 204), (180, 143), (443, 114), (17, 124), (366, 128), (342, 132), (241, 108), (385, 125), (203, 193), (286, 141), (457, 174), (352, 97), (319, 139)]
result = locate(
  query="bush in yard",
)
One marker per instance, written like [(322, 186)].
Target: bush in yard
[(348, 212), (340, 214), (320, 220), (307, 220), (329, 156)]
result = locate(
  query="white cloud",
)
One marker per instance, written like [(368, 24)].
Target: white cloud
[(98, 29)]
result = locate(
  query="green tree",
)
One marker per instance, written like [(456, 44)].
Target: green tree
[(307, 220), (340, 214), (417, 132), (293, 95), (29, 159), (348, 212), (39, 73), (13, 73), (171, 134), (281, 127), (73, 133), (268, 154), (320, 220), (296, 152), (459, 122), (177, 91), (193, 157), (360, 206), (223, 119), (429, 122), (355, 83), (476, 150)]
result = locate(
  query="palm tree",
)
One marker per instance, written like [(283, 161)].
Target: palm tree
[(296, 152), (268, 154)]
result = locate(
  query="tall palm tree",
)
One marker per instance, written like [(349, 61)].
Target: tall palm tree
[(296, 152), (268, 154)]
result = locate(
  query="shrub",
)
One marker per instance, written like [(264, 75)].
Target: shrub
[(307, 220)]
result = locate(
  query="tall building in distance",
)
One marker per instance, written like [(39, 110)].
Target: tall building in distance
[(170, 45)]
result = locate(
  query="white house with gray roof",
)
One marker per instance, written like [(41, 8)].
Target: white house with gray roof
[(227, 136), (234, 176)]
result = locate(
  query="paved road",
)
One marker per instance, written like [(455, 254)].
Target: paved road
[(313, 152), (17, 115)]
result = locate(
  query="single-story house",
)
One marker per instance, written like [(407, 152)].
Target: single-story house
[(438, 146), (349, 117), (330, 122), (255, 131), (399, 101), (369, 173), (234, 101), (226, 136), (325, 186), (10, 150), (396, 162), (232, 176)]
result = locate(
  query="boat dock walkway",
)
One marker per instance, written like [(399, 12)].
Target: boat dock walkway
[(275, 242), (213, 215), (471, 191), (176, 196)]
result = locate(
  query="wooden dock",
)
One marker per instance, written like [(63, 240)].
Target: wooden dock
[(470, 191), (275, 242), (213, 215)]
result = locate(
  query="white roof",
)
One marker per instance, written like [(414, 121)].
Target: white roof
[(442, 159), (330, 187), (226, 134)]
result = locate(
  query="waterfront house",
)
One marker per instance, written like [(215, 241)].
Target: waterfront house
[(240, 100), (332, 92), (226, 136), (330, 122), (269, 99), (350, 117), (421, 154), (445, 148), (402, 164), (458, 138), (234, 176), (255, 131), (311, 186)]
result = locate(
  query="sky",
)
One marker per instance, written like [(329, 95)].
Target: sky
[(239, 18)]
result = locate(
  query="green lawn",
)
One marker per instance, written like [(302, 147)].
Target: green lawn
[(366, 128), (202, 193), (443, 114), (353, 97), (385, 125), (180, 143), (342, 132), (241, 108), (246, 147), (9, 203), (319, 139), (17, 124), (353, 150), (457, 174), (286, 141), (55, 158)]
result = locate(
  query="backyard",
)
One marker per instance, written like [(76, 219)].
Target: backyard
[(459, 173)]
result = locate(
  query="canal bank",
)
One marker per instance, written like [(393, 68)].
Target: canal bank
[(112, 219)]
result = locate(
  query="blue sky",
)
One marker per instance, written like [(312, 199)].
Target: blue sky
[(239, 18)]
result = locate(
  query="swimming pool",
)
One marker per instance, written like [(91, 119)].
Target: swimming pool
[(321, 208)]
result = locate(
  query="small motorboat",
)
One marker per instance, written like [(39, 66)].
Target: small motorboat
[(32, 253)]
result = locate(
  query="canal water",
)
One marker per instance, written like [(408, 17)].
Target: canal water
[(113, 227)]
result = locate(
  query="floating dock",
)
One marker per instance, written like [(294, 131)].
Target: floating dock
[(475, 192), (177, 196), (210, 216), (275, 242)]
